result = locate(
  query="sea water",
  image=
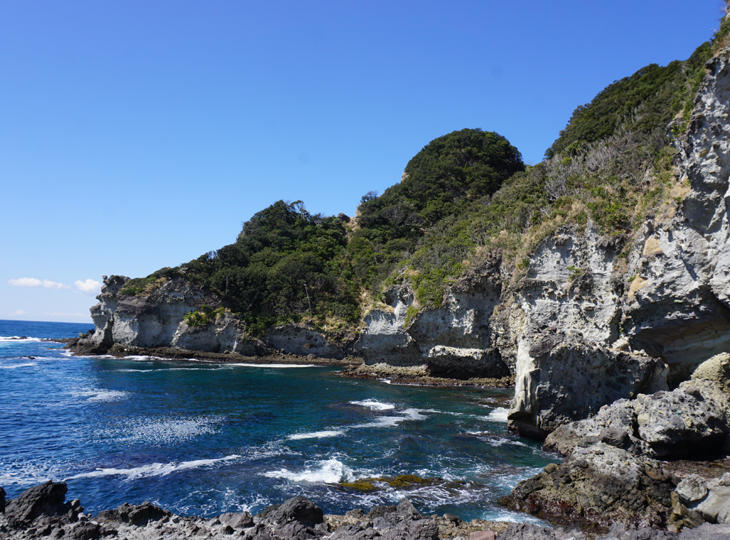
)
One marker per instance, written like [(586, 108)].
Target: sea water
[(201, 439)]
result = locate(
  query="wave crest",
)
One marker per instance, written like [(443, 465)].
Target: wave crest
[(330, 471), (153, 469)]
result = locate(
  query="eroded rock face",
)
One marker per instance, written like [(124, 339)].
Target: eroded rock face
[(157, 319), (690, 421), (665, 301), (455, 340), (142, 320), (303, 341), (679, 308), (560, 379), (223, 334)]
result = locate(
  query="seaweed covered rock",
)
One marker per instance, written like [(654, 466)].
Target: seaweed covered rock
[(598, 486)]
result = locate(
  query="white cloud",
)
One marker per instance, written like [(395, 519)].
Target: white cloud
[(19, 312), (35, 282), (88, 285)]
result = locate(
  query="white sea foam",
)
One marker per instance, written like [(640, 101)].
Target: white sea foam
[(152, 370), (374, 404), (277, 366), (510, 480), (16, 366), (141, 357), (213, 501), (316, 434), (153, 469), (498, 414), (96, 395), (329, 471), (386, 381), (18, 339), (26, 473), (512, 517), (407, 415), (501, 441), (495, 440)]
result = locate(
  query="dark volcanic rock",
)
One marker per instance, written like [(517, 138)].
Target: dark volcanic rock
[(87, 531), (237, 521), (402, 522), (139, 515), (2, 500), (297, 509), (42, 500), (297, 519), (598, 486)]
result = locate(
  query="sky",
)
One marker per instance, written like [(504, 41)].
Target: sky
[(136, 135)]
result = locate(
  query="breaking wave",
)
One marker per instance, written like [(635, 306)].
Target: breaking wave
[(153, 469), (330, 471), (374, 404)]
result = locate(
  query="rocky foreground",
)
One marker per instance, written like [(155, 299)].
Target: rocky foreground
[(42, 512)]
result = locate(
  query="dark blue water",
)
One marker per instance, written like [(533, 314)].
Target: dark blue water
[(209, 438)]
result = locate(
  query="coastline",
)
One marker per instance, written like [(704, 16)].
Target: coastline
[(352, 366)]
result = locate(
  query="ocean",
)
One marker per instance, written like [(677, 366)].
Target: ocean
[(201, 439)]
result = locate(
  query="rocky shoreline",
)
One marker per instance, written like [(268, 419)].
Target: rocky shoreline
[(42, 512), (352, 366), (659, 460)]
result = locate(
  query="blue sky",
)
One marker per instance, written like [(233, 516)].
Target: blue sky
[(137, 135)]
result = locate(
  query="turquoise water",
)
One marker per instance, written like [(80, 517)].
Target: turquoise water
[(209, 438)]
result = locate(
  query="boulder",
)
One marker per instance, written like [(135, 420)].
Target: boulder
[(241, 520), (297, 509), (708, 498), (2, 500), (41, 500), (139, 515), (716, 370), (691, 421), (598, 485)]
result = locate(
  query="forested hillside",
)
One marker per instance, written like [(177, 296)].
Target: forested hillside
[(464, 198)]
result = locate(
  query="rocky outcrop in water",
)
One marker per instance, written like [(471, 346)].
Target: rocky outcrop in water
[(41, 512), (156, 319)]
